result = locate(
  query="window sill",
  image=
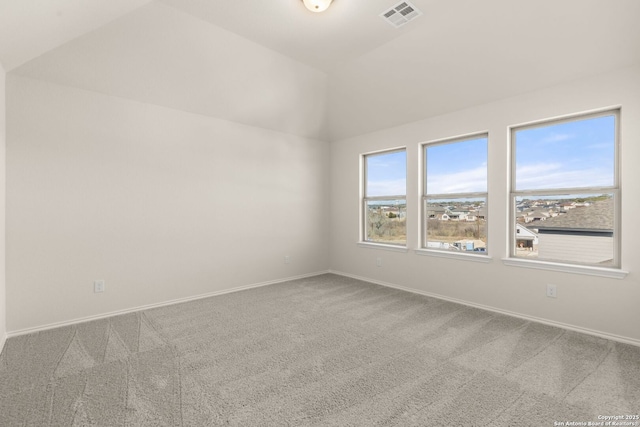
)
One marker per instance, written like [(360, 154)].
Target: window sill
[(383, 246), (567, 268), (453, 255)]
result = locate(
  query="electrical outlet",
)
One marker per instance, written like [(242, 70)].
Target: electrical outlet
[(287, 259), (552, 291), (98, 286), (379, 262)]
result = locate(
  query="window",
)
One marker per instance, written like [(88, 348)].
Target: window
[(565, 191), (455, 195), (385, 198)]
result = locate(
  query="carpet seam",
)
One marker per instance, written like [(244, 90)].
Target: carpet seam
[(565, 395), (562, 333)]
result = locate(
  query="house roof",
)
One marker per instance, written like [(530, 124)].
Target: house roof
[(596, 217), (436, 209), (526, 234), (540, 214)]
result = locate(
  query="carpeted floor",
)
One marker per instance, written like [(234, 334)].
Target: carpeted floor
[(325, 351)]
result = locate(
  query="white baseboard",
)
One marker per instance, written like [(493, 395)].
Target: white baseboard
[(3, 339), (156, 305), (600, 334)]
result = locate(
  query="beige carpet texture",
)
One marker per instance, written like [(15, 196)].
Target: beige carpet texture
[(321, 351)]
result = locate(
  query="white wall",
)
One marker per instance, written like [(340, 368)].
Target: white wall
[(607, 306), (192, 167), (3, 304), (160, 203), (160, 55)]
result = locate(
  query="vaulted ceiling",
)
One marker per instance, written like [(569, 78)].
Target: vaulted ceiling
[(459, 53)]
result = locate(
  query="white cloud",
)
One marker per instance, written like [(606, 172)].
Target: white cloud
[(396, 187), (534, 171), (600, 146), (554, 175), (471, 181), (556, 137)]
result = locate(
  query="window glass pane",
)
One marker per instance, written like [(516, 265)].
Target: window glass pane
[(458, 225), (386, 174), (457, 167), (576, 228), (386, 221), (575, 154)]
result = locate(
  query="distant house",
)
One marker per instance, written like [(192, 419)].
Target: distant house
[(525, 218), (579, 235), (450, 213), (540, 215), (525, 238), (457, 216), (436, 212), (567, 206), (482, 213)]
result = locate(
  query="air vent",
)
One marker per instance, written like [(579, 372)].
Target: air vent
[(400, 14)]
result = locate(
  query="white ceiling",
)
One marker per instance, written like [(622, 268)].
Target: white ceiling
[(469, 52), (460, 53), (348, 29), (29, 28)]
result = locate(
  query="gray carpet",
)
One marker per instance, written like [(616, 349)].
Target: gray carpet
[(326, 351)]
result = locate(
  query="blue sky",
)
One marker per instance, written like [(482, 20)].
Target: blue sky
[(575, 154), (457, 167), (387, 174)]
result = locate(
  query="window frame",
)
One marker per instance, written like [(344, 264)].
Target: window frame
[(615, 190), (426, 196), (365, 199)]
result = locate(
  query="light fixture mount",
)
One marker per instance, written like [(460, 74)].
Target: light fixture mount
[(317, 5)]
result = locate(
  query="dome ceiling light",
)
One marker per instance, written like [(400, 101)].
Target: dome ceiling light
[(317, 5)]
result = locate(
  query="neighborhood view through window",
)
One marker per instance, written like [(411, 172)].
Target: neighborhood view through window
[(564, 198), (455, 199), (385, 201), (566, 191)]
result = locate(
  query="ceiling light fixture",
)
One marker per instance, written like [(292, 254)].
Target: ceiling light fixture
[(317, 5)]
